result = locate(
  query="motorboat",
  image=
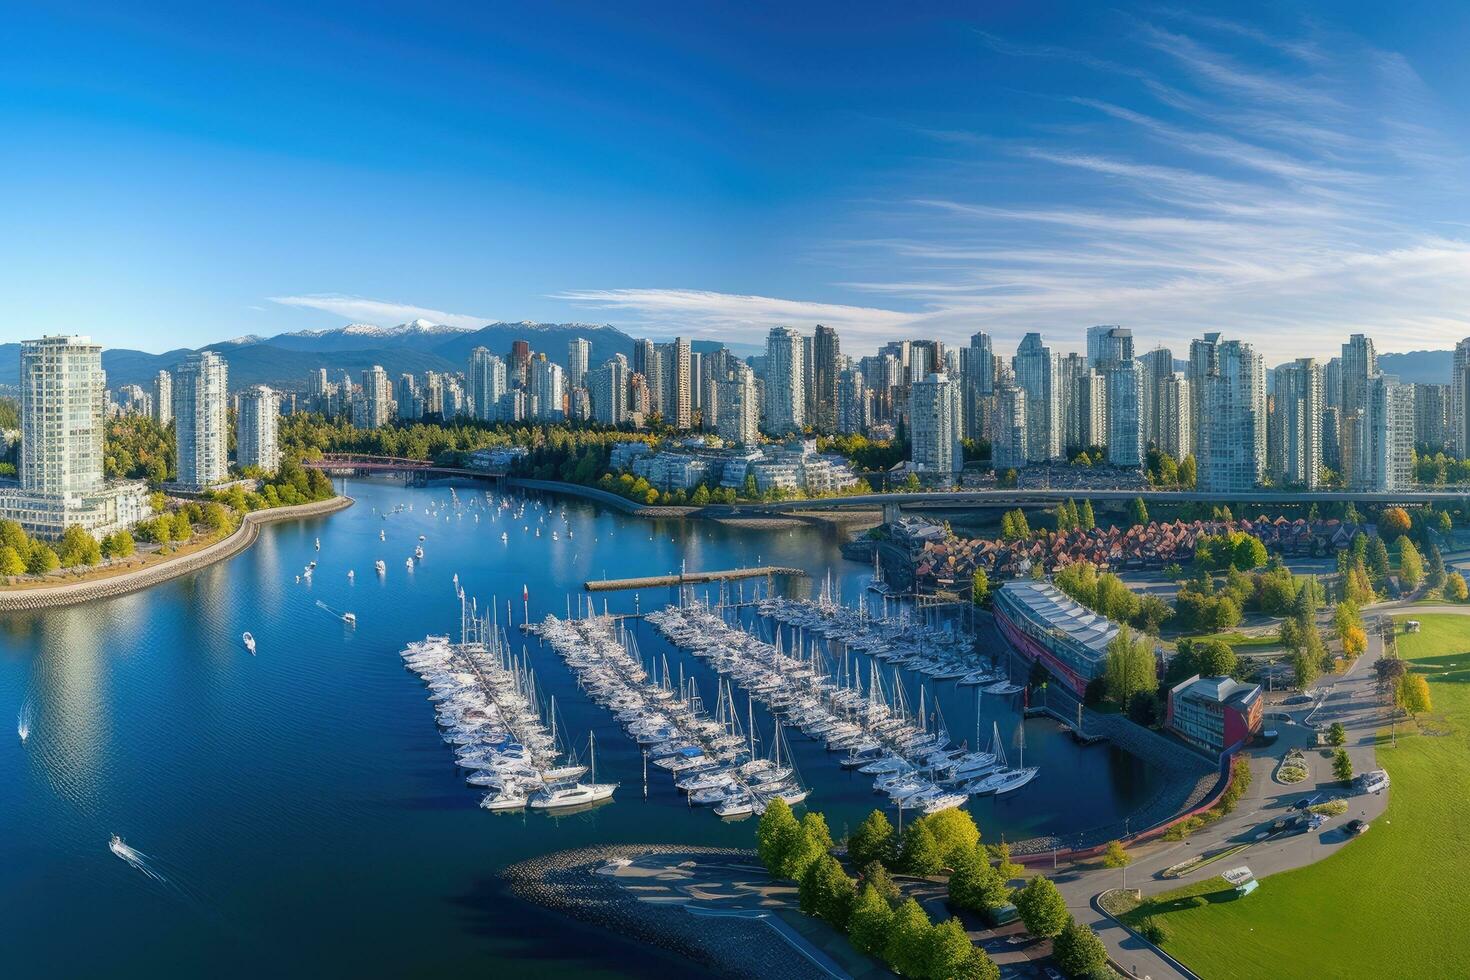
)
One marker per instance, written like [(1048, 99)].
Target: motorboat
[(504, 800), (408, 563), (351, 575), (577, 794), (249, 642), (381, 566), (419, 552), (349, 618)]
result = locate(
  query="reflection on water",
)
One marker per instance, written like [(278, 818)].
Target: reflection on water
[(307, 790)]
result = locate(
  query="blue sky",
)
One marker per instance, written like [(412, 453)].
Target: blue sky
[(175, 174)]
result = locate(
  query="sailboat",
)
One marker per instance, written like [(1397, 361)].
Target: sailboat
[(576, 794), (1003, 780)]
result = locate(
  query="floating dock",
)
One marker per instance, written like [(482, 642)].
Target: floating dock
[(688, 578)]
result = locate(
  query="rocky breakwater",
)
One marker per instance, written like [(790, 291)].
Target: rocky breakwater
[(569, 882), (110, 586)]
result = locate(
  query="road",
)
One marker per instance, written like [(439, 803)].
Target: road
[(1353, 700)]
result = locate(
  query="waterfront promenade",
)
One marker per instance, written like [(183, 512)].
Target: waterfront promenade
[(108, 586)]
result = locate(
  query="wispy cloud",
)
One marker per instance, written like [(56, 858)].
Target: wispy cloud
[(732, 317), (381, 313)]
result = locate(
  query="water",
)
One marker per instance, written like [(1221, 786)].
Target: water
[(303, 796)]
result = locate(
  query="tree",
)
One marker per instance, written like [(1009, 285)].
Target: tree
[(955, 833), (1411, 565), (921, 854), (42, 560), (1377, 561), (1086, 519), (979, 587), (976, 884), (807, 848), (1455, 588), (1137, 511), (1336, 735), (1434, 575), (1394, 522), (868, 925), (1412, 694), (1389, 671), (10, 562), (1187, 471), (872, 841), (1248, 553), (976, 966), (1130, 667), (776, 835), (876, 875), (78, 547), (947, 948), (827, 891), (908, 939), (1078, 951), (1116, 857), (1007, 869), (1042, 908), (1153, 612), (1342, 766), (122, 544), (1213, 658)]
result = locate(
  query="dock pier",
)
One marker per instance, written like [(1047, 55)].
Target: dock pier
[(688, 578)]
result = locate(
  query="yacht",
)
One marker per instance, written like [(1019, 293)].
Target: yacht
[(349, 618), (419, 552), (381, 566), (422, 538), (408, 562), (318, 544), (249, 642), (504, 800)]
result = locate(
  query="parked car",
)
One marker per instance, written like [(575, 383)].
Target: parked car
[(1356, 827)]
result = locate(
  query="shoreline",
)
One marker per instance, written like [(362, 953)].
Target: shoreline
[(567, 882), (77, 593)]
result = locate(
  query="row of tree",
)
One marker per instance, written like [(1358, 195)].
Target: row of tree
[(22, 554)]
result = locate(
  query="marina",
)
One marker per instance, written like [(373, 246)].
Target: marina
[(322, 761)]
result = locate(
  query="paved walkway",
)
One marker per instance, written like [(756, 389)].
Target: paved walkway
[(1351, 699)]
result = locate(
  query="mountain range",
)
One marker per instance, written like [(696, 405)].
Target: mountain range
[(285, 360)]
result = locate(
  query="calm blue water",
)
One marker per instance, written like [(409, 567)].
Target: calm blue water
[(298, 808)]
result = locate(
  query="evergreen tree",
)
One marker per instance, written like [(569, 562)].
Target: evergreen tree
[(814, 825), (876, 876), (1078, 951), (979, 587), (1087, 521), (1377, 561), (1187, 470), (872, 841), (1435, 575), (1137, 511), (1411, 565), (1042, 908)]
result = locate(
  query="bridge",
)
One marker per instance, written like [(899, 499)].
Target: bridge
[(364, 464)]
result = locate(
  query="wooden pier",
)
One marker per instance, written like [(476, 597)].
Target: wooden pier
[(688, 578)]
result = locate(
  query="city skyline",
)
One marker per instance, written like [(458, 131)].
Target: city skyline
[(1294, 175)]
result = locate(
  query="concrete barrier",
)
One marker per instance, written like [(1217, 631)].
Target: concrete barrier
[(75, 593)]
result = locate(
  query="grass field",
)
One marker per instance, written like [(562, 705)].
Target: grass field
[(1238, 640), (1391, 904)]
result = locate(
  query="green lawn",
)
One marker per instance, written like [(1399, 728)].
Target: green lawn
[(1238, 640), (1393, 903)]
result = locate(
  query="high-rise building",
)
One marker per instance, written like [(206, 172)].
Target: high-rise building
[(1008, 441), (785, 404), (433, 395), (1125, 411), (1072, 371), (410, 403), (201, 419), (547, 390), (1331, 432), (1460, 399), (1204, 356), (318, 392), (1295, 436), (1173, 412), (1114, 345), (62, 404), (739, 408), (608, 386), (1386, 435), (977, 384), (579, 358), (1359, 366), (854, 402), (1035, 369), (375, 407), (518, 369), (826, 364), (680, 410), (934, 419), (1431, 416), (1088, 412), (1233, 448), (487, 383), (1158, 369), (256, 428), (163, 398), (640, 403)]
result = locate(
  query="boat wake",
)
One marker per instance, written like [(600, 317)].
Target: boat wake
[(136, 858)]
